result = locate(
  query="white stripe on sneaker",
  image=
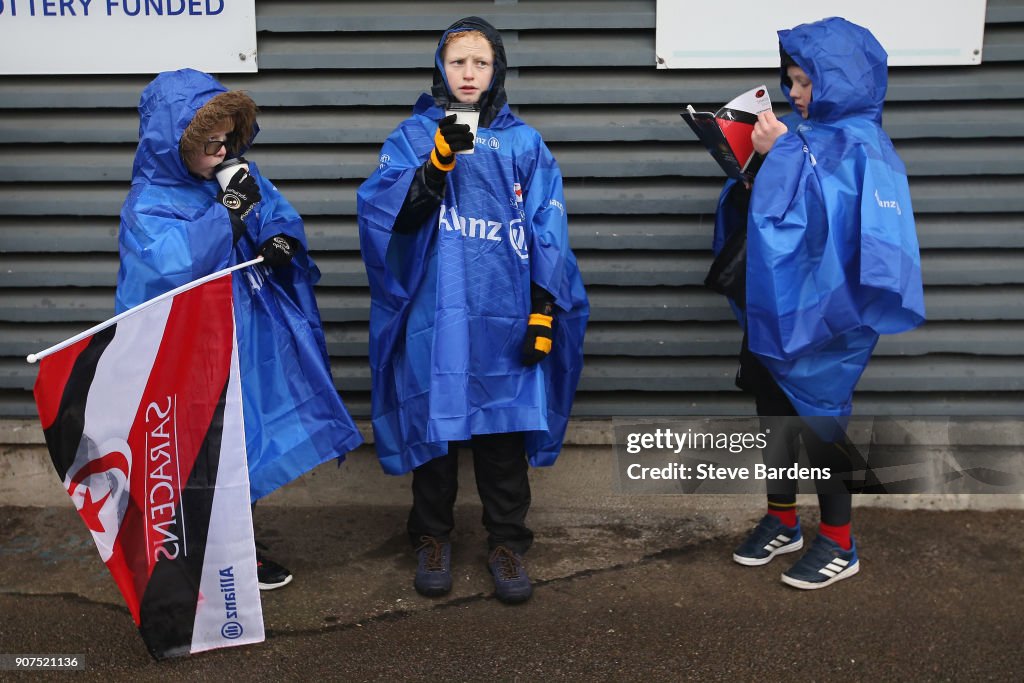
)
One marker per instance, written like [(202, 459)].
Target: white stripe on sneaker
[(851, 570), (834, 567), (782, 543)]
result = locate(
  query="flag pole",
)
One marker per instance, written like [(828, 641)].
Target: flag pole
[(33, 357)]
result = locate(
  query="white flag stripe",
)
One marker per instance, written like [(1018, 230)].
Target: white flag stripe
[(111, 405), (183, 520), (230, 612)]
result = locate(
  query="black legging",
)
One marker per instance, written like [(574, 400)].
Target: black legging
[(787, 429)]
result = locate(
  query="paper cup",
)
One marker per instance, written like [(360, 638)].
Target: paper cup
[(226, 170), (468, 114)]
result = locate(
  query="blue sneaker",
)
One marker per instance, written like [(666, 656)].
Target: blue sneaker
[(434, 571), (769, 538), (824, 564), (511, 584)]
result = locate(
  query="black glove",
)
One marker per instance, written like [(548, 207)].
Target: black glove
[(237, 227), (540, 329), (450, 138), (279, 250), (241, 194)]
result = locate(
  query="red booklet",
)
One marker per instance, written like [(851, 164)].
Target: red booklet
[(726, 133)]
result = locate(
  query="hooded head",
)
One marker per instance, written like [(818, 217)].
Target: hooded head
[(178, 111), (493, 99), (846, 65)]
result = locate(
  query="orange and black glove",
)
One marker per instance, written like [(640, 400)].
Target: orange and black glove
[(426, 192), (450, 138), (540, 328)]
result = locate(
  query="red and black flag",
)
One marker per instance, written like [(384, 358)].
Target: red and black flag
[(143, 421)]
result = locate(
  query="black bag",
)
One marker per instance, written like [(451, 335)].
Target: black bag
[(728, 272)]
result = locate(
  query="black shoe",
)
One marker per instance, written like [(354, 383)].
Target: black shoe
[(511, 584), (270, 574), (434, 567)]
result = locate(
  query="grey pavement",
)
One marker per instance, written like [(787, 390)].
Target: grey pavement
[(627, 588)]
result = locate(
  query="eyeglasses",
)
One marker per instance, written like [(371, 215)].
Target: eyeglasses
[(211, 147)]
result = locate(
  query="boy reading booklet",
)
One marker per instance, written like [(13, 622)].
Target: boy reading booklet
[(830, 264)]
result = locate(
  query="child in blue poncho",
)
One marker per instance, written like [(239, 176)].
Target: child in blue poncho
[(478, 309), (832, 261), (178, 224)]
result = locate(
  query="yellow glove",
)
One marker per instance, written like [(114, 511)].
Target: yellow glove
[(539, 336)]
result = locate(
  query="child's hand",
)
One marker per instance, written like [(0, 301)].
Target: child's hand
[(767, 130)]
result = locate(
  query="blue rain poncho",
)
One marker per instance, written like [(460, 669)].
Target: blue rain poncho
[(450, 300), (173, 231), (832, 252)]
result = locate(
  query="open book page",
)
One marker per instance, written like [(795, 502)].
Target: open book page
[(726, 133)]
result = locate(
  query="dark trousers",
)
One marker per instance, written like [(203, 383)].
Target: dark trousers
[(781, 420), (502, 480)]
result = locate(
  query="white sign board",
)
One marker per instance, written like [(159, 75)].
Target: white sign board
[(738, 34), (126, 36)]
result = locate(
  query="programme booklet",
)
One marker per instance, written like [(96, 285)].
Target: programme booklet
[(726, 132)]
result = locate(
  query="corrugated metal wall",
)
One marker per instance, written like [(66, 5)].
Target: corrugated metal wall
[(335, 78)]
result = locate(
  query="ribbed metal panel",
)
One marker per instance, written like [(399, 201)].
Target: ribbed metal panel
[(334, 80)]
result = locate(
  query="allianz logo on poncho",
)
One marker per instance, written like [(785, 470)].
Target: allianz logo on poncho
[(888, 204), (480, 228)]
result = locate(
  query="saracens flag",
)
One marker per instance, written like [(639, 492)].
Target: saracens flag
[(143, 421)]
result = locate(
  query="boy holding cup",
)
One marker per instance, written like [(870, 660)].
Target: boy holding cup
[(180, 223), (478, 309)]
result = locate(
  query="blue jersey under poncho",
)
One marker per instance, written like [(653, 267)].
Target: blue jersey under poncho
[(173, 231), (450, 301), (832, 252)]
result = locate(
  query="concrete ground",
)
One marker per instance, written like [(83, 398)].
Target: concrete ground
[(627, 588)]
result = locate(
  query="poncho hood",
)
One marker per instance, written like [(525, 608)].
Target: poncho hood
[(166, 108), (847, 67), (492, 101)]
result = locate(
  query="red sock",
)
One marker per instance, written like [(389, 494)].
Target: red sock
[(785, 512), (840, 534)]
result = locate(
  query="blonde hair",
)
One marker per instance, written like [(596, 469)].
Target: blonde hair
[(235, 107)]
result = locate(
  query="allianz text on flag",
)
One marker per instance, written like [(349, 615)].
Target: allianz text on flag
[(143, 421)]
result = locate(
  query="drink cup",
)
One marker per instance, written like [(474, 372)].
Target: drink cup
[(468, 114), (226, 170)]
